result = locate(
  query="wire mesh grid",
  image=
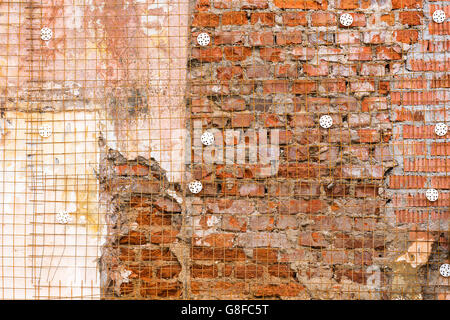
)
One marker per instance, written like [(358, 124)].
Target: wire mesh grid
[(102, 126)]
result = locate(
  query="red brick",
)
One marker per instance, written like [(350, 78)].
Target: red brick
[(263, 18), (440, 149), (441, 82), (359, 19), (323, 19), (261, 38), (292, 19), (233, 104), (439, 28), (167, 205), (286, 71), (304, 87), (368, 135), (222, 4), (315, 71), (242, 120), (248, 271), (427, 165), (411, 4), (275, 86), (306, 4), (251, 190), (265, 255), (202, 19), (219, 240), (272, 121), (132, 170), (302, 120), (366, 191), (228, 37), (261, 223), (207, 55), (303, 53), (278, 290), (412, 18), (204, 271), (255, 4), (228, 73), (217, 254), (202, 5), (312, 239), (169, 271), (389, 53), (162, 289), (237, 53), (335, 256), (407, 36), (258, 71), (347, 4), (360, 53), (287, 38), (281, 271), (440, 182), (163, 254), (163, 237), (389, 19), (272, 54), (133, 237), (234, 18), (430, 65)]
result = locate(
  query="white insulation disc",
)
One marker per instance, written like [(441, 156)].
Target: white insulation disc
[(63, 217), (441, 129), (203, 39), (444, 270), (207, 138), (439, 16), (46, 34), (326, 121), (195, 186), (432, 194), (346, 19), (45, 131)]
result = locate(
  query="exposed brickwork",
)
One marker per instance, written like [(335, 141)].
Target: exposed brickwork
[(144, 222), (345, 202), (323, 216)]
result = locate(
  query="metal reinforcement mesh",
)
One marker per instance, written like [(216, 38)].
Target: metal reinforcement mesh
[(219, 149)]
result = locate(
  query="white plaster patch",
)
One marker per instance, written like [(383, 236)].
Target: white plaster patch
[(50, 260)]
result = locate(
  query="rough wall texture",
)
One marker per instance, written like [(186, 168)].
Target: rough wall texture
[(312, 213), (344, 215), (112, 76)]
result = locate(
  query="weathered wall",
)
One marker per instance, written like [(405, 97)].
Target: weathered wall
[(343, 215), (335, 213), (111, 77)]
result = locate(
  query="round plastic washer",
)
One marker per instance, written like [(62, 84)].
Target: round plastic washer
[(346, 19), (46, 34), (441, 129), (325, 121), (63, 217), (195, 186), (45, 131), (203, 39), (432, 194), (207, 138), (444, 270), (439, 16)]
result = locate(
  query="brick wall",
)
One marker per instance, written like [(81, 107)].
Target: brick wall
[(344, 215)]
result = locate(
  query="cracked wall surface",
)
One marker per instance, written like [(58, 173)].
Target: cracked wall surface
[(288, 210), (111, 76)]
